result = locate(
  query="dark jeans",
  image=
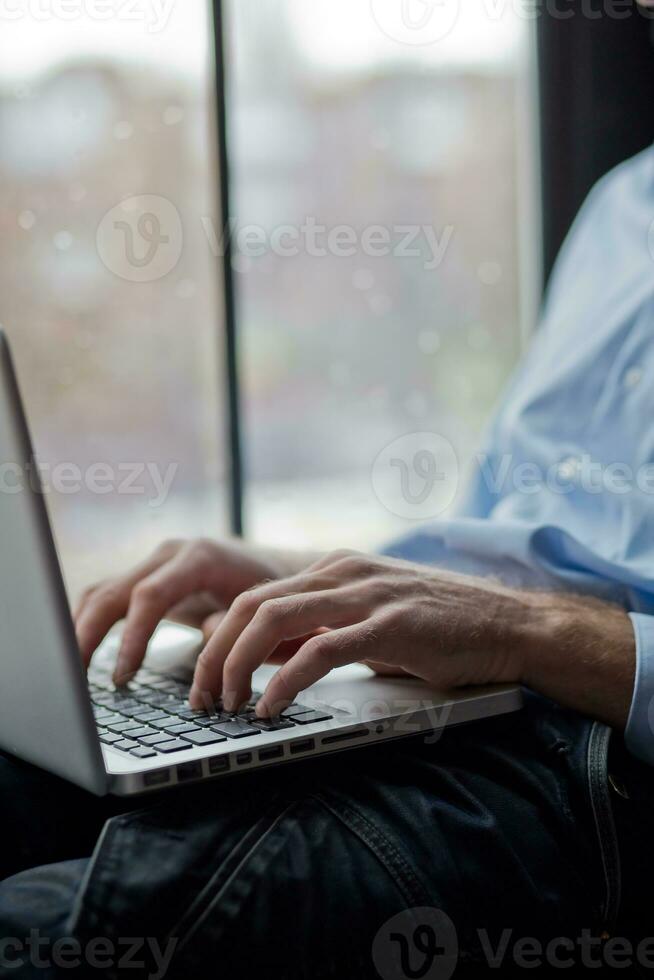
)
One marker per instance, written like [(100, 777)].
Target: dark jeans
[(495, 833)]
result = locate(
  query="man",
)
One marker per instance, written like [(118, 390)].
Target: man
[(530, 823)]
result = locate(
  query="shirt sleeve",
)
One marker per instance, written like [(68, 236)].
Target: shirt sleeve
[(639, 735)]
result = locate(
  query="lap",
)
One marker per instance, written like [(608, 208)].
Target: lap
[(44, 819), (289, 870)]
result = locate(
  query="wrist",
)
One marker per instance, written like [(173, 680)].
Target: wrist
[(581, 652), (543, 630)]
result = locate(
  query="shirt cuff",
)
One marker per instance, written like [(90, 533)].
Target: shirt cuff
[(639, 735)]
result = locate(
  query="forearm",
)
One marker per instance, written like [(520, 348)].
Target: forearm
[(580, 652)]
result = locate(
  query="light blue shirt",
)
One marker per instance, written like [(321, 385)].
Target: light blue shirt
[(562, 494)]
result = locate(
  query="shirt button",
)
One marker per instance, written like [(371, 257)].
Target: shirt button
[(633, 377)]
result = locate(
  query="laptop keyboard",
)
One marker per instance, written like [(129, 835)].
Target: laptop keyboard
[(151, 716)]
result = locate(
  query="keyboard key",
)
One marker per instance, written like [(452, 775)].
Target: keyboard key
[(111, 719), (158, 698), (156, 738), (271, 724), (295, 709), (121, 726), (169, 687), (126, 743), (150, 716), (124, 705), (235, 729), (109, 738), (203, 737), (142, 732), (142, 752), (310, 717), (175, 746), (177, 705), (185, 728), (190, 714), (167, 721), (101, 713), (206, 721), (136, 710)]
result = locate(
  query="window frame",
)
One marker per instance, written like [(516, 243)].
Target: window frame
[(234, 462)]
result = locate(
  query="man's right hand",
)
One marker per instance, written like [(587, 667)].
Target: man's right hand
[(193, 581)]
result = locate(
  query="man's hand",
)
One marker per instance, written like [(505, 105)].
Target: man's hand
[(311, 615), (191, 581), (450, 630)]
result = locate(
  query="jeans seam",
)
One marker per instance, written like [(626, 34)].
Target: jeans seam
[(184, 956), (603, 816), (249, 846), (387, 853), (102, 848)]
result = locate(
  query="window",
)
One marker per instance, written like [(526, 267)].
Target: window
[(381, 175), (381, 165), (105, 123)]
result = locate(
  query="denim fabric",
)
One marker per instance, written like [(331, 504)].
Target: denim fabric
[(293, 872)]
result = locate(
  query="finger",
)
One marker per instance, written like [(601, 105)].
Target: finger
[(150, 600), (84, 598), (241, 612), (104, 608), (194, 610), (275, 621), (315, 659), (288, 648), (106, 605), (211, 624), (278, 620)]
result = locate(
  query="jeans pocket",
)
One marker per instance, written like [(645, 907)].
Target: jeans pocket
[(600, 799)]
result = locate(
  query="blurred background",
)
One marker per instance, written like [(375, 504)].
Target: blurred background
[(331, 121)]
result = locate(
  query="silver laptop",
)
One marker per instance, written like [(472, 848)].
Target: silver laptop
[(145, 737)]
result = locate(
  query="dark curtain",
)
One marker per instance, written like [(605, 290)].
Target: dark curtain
[(596, 72)]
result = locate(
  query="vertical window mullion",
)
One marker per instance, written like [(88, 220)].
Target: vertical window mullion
[(233, 391)]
